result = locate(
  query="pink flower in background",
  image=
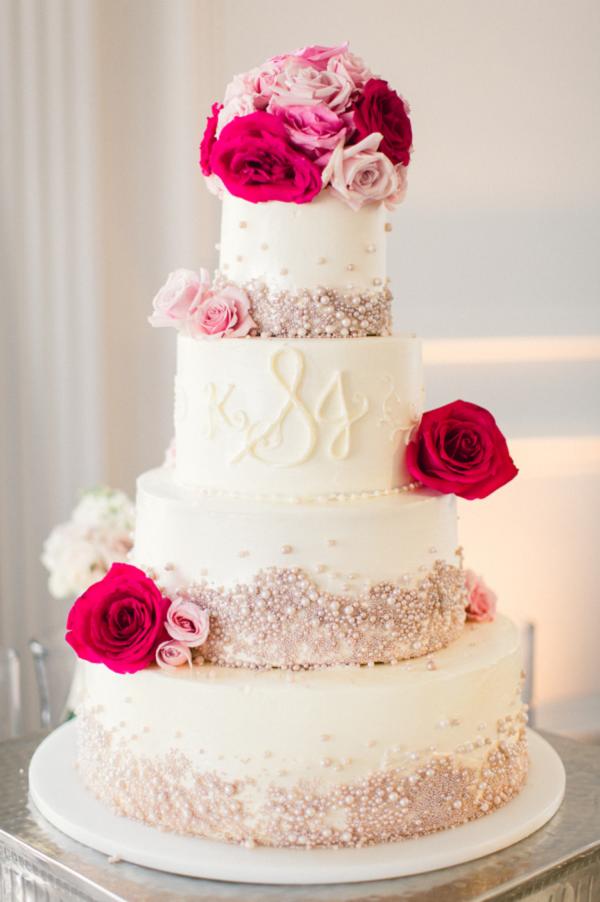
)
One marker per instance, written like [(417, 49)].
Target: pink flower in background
[(351, 67), (187, 623), (170, 454), (254, 159), (119, 621), (360, 174), (314, 129), (223, 313), (208, 138), (172, 653), (179, 296), (380, 109), (481, 605), (299, 85)]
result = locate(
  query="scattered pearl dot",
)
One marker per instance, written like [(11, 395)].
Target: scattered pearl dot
[(243, 224)]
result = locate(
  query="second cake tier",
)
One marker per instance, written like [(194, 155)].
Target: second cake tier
[(307, 585), (296, 419)]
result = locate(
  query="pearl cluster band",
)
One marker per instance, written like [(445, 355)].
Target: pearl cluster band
[(283, 619), (317, 313), (386, 805)]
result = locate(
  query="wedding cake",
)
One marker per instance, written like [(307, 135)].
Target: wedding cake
[(293, 653)]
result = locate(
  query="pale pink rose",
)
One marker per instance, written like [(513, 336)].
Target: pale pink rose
[(359, 174), (240, 105), (171, 654), (248, 92), (351, 67), (315, 55), (300, 85), (481, 606), (187, 623), (223, 312), (314, 129), (254, 83), (178, 297)]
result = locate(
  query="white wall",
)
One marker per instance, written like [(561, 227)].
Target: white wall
[(102, 197)]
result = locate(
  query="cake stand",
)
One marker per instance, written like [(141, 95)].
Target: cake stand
[(60, 797)]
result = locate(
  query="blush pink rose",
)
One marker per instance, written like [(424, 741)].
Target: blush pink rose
[(179, 296), (172, 653), (316, 55), (351, 67), (255, 84), (187, 623), (300, 85), (240, 105), (255, 161), (481, 606), (360, 174), (119, 621), (314, 129), (223, 313)]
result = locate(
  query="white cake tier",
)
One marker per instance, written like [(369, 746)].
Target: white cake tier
[(290, 246), (296, 419), (338, 757), (302, 584)]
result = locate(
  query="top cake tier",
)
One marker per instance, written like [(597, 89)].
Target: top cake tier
[(308, 270), (292, 247)]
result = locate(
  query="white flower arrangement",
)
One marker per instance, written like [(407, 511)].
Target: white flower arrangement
[(81, 551)]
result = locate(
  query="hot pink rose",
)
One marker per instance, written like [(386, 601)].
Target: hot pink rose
[(360, 174), (481, 606), (208, 138), (300, 85), (351, 67), (119, 621), (224, 312), (172, 653), (178, 297), (187, 623), (314, 129), (255, 161), (459, 449), (380, 109)]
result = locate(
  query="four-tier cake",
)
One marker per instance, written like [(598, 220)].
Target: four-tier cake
[(293, 654)]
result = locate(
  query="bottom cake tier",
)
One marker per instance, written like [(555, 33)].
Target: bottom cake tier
[(346, 756)]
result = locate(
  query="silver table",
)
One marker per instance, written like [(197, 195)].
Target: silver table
[(559, 863)]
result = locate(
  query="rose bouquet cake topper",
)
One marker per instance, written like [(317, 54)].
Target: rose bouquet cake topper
[(313, 120)]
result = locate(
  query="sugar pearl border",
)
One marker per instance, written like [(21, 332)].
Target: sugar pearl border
[(384, 805), (283, 618), (322, 312)]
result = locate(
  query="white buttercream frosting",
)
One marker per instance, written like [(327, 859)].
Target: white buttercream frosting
[(303, 245), (251, 736), (344, 547), (296, 418)]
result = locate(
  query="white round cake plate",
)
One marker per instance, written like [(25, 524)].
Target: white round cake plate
[(60, 797)]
